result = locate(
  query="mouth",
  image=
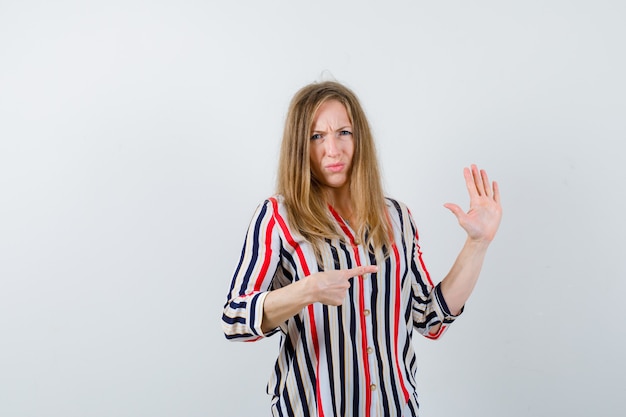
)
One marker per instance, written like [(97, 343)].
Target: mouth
[(335, 167)]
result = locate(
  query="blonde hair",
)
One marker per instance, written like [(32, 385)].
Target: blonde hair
[(307, 210)]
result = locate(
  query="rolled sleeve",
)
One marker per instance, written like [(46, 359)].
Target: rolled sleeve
[(243, 312), (444, 312), (255, 312)]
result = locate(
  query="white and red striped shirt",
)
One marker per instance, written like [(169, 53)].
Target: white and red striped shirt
[(352, 360)]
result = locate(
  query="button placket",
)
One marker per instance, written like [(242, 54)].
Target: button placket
[(367, 313)]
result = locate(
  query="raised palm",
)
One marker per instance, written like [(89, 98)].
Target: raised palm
[(483, 218)]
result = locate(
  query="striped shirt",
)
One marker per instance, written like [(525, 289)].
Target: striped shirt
[(352, 360)]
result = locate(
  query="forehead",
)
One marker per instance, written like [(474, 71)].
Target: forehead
[(331, 112)]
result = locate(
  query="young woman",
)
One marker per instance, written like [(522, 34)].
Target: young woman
[(335, 268)]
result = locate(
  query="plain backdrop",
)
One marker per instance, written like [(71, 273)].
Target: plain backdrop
[(138, 137)]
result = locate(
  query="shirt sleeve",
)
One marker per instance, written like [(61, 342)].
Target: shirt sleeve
[(243, 311), (429, 307)]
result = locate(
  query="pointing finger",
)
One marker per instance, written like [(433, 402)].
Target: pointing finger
[(361, 270)]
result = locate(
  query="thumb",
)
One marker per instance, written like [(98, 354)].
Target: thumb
[(456, 210)]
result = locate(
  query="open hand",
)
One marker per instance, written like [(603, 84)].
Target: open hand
[(483, 218)]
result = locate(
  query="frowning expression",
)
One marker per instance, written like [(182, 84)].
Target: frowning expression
[(331, 146)]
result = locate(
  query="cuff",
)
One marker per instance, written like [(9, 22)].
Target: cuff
[(255, 313), (443, 306)]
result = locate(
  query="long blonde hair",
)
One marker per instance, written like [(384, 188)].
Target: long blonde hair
[(307, 210)]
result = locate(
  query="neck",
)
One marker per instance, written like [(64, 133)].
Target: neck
[(337, 197), (342, 204)]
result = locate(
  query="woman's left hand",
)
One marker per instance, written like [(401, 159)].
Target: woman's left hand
[(483, 218)]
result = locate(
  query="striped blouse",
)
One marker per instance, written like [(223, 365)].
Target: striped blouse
[(356, 359)]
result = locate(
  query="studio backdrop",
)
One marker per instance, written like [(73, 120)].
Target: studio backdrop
[(137, 138)]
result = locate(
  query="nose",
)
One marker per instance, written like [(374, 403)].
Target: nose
[(331, 145)]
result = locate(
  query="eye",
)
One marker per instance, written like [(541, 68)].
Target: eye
[(345, 133), (316, 136)]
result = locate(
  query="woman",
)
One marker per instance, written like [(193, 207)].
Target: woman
[(336, 268)]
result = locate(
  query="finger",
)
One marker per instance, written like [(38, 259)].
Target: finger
[(455, 209), (496, 192), (485, 183), (360, 270), (478, 181), (470, 183)]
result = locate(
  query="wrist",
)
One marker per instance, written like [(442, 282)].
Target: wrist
[(477, 244), (308, 291)]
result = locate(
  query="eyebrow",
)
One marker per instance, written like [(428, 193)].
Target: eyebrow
[(337, 130)]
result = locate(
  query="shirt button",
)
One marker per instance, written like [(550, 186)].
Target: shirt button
[(366, 312), (370, 350), (373, 387)]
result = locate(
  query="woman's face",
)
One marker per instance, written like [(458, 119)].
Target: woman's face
[(332, 146)]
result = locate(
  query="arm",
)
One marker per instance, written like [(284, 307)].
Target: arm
[(481, 224), (329, 287), (253, 310), (430, 312), (243, 310)]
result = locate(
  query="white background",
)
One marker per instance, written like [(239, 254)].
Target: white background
[(138, 137)]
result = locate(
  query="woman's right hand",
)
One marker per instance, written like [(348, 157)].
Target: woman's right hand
[(331, 287)]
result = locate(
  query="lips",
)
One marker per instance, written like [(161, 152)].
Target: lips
[(338, 167)]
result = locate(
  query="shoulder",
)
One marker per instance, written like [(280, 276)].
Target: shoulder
[(397, 207), (400, 216), (273, 201), (270, 217), (276, 201), (272, 206)]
